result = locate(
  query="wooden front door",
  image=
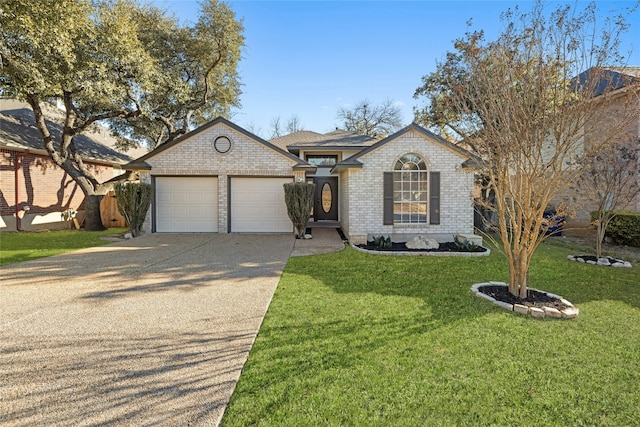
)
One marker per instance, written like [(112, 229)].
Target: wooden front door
[(325, 207)]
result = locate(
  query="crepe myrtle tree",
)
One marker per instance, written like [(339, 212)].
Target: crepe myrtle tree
[(116, 62), (516, 103), (298, 197), (610, 181)]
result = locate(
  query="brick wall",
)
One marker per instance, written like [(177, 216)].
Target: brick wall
[(197, 156), (613, 123), (343, 198), (42, 186), (365, 189)]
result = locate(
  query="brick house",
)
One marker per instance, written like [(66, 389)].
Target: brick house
[(222, 178), (34, 192), (621, 87)]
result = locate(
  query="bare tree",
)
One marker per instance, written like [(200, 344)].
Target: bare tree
[(610, 182), (276, 127), (294, 124), (520, 107), (254, 128), (371, 120)]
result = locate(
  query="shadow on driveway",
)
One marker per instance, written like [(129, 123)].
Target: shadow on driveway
[(151, 331)]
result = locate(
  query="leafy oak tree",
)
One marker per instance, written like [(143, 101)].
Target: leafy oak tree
[(516, 102), (119, 63)]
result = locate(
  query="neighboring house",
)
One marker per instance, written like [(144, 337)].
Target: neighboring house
[(222, 178), (34, 192), (622, 85)]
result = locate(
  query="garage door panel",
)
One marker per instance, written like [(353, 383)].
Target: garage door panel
[(257, 205), (186, 204)]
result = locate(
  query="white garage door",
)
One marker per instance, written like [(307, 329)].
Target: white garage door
[(186, 204), (257, 205)]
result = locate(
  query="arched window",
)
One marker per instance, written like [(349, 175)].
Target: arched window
[(410, 190)]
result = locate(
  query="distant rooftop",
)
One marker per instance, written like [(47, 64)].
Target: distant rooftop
[(338, 139), (610, 78)]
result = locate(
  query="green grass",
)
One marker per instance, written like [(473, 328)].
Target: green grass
[(24, 246), (359, 339)]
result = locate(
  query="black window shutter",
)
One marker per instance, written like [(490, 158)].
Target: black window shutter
[(434, 198), (388, 198)]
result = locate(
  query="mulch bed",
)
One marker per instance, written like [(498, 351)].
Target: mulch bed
[(534, 298), (400, 247)]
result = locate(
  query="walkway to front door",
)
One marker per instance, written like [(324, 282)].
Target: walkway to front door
[(325, 207)]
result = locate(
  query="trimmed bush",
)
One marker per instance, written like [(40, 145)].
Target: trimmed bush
[(298, 197), (133, 203), (624, 228)]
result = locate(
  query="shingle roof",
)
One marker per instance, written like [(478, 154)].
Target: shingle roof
[(611, 78), (18, 131), (338, 139)]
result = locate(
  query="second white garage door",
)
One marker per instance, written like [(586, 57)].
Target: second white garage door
[(186, 204), (257, 205)]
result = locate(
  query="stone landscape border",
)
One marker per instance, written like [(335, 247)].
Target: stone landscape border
[(487, 252), (602, 261), (571, 312)]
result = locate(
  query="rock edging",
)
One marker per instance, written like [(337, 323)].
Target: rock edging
[(571, 312), (425, 253), (603, 261)]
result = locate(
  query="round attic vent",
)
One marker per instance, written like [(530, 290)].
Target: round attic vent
[(222, 144)]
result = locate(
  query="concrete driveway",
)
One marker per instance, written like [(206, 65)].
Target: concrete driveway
[(149, 331)]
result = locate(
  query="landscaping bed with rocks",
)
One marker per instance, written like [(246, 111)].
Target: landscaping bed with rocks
[(536, 304), (422, 246), (603, 261), (402, 247)]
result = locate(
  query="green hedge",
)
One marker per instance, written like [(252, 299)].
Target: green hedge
[(624, 228)]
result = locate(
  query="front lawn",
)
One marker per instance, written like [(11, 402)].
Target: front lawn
[(24, 246), (360, 339)]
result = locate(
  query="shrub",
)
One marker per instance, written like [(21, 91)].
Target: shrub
[(133, 203), (382, 242), (298, 197), (465, 245), (624, 228)]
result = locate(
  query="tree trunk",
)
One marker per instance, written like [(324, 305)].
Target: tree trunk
[(599, 238), (519, 262), (92, 219)]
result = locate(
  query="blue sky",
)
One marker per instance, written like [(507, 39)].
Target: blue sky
[(309, 58)]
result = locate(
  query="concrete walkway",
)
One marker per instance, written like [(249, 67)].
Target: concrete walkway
[(149, 331), (325, 240)]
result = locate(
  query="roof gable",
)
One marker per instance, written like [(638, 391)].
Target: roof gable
[(609, 79), (462, 153), (141, 163)]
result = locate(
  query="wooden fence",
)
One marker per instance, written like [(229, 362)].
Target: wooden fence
[(109, 211)]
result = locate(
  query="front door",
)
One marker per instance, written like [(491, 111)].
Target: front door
[(325, 207)]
